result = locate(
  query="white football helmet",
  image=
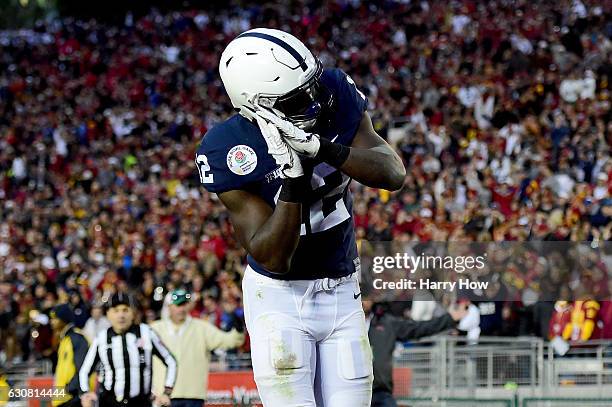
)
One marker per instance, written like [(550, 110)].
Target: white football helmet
[(277, 71)]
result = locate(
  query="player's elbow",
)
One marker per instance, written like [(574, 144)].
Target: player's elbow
[(396, 177), (274, 255), (275, 264), (277, 268)]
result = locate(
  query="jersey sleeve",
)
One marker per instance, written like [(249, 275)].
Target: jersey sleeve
[(351, 104), (211, 164)]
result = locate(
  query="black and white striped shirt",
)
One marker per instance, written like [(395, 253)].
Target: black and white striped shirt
[(126, 361)]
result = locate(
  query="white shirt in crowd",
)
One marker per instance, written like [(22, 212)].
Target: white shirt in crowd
[(483, 111), (19, 168), (468, 95), (561, 184), (581, 88), (512, 133), (459, 22), (471, 324), (94, 326)]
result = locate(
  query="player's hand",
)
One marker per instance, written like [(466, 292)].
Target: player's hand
[(162, 400), (458, 311), (303, 142), (285, 156), (87, 399)]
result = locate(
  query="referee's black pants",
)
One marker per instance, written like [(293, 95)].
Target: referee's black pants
[(187, 403), (107, 399), (75, 401)]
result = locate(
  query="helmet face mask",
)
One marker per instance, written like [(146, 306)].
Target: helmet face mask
[(302, 103), (302, 106)]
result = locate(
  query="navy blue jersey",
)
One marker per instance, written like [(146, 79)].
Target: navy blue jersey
[(234, 156)]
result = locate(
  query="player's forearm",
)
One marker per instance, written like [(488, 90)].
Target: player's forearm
[(270, 235), (276, 240), (377, 167)]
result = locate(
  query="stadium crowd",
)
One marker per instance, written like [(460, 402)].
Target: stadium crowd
[(505, 133)]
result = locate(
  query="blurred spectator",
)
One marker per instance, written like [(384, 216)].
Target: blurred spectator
[(191, 341), (80, 309), (42, 337), (71, 353), (385, 329), (97, 322), (574, 88), (542, 314), (583, 320), (4, 384), (605, 316), (470, 323), (560, 319), (211, 310), (491, 306)]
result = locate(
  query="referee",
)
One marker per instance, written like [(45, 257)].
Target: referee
[(125, 351)]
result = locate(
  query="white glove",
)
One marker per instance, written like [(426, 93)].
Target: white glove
[(304, 143), (286, 157)]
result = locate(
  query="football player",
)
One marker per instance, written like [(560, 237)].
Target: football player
[(282, 167)]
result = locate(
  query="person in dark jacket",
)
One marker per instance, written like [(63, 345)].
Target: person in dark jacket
[(386, 329), (79, 308), (70, 355)]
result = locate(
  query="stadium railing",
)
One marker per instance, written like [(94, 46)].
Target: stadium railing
[(587, 363), (441, 370), (448, 367), (445, 366), (454, 402), (565, 402), (28, 369)]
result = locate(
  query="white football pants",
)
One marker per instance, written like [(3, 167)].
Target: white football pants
[(309, 341)]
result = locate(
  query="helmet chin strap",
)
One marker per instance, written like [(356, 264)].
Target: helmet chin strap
[(246, 110), (249, 98)]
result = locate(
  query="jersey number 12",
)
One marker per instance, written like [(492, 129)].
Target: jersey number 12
[(206, 176)]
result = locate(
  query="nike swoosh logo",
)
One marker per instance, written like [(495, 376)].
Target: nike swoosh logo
[(334, 139), (355, 296)]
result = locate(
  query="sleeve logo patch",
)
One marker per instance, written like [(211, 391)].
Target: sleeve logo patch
[(241, 160)]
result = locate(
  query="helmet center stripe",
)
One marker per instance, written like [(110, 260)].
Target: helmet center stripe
[(281, 44)]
